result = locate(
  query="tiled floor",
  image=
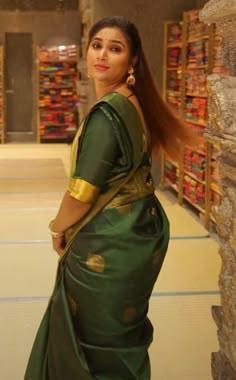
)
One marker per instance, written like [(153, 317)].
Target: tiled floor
[(180, 307)]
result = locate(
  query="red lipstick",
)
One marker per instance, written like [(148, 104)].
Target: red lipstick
[(101, 67)]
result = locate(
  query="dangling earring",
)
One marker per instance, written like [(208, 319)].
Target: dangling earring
[(130, 81)]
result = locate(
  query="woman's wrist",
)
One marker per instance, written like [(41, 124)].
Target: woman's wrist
[(54, 234)]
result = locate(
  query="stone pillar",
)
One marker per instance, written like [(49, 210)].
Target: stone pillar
[(85, 86), (222, 129)]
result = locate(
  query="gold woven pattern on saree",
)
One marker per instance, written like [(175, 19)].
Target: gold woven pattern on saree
[(138, 187), (95, 263)]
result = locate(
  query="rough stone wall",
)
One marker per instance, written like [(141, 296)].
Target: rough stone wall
[(222, 129)]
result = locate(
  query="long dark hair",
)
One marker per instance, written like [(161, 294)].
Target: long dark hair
[(166, 131)]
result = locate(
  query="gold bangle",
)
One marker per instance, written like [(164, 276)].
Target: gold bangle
[(54, 234)]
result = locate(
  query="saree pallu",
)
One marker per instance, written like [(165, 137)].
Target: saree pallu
[(96, 325)]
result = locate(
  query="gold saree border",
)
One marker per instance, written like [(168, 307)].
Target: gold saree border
[(82, 190)]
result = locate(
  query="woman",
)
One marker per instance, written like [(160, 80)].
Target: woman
[(110, 232)]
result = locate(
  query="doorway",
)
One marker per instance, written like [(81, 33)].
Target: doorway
[(19, 88)]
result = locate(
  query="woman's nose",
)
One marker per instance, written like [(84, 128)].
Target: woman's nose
[(102, 56)]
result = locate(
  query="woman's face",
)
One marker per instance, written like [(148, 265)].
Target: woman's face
[(108, 57)]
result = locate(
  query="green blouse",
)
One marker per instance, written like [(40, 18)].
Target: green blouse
[(102, 149), (100, 154), (99, 150)]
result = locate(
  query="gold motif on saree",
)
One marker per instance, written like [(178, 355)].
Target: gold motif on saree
[(95, 263), (82, 190), (129, 314), (138, 187)]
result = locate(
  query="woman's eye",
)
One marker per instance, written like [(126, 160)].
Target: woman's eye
[(116, 49), (96, 45)]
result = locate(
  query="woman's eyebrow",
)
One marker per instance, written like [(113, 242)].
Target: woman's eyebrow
[(117, 42), (113, 41)]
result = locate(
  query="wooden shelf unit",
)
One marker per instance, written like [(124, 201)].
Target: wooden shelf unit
[(186, 64), (57, 93), (2, 129)]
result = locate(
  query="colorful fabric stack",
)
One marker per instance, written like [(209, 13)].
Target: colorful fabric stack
[(171, 173), (196, 109), (58, 98)]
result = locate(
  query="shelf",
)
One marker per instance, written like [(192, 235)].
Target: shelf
[(48, 124), (197, 38), (56, 87), (172, 185), (66, 139), (66, 60), (172, 163), (173, 92), (198, 51), (177, 68), (194, 177), (201, 124), (52, 73), (213, 219), (196, 95), (196, 150), (71, 110), (216, 190), (57, 98), (50, 138), (175, 44), (61, 110), (2, 127), (196, 67), (194, 204)]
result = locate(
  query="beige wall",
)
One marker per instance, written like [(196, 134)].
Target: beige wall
[(61, 27)]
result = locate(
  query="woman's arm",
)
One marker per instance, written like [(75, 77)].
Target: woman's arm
[(97, 155), (70, 211)]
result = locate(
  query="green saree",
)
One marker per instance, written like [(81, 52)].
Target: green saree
[(96, 325)]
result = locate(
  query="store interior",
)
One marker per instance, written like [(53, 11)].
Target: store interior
[(44, 93)]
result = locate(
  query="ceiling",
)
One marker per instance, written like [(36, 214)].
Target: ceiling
[(38, 5)]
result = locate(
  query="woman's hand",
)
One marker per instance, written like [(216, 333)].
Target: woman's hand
[(58, 244), (70, 212)]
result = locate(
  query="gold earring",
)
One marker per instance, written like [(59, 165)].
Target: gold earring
[(130, 81)]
